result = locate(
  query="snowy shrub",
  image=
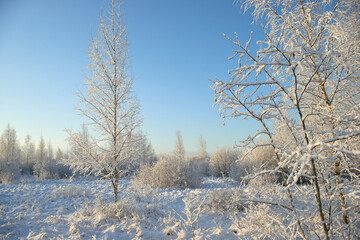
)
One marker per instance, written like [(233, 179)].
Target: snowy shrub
[(263, 187), (9, 172), (168, 172), (102, 211), (263, 157), (263, 182), (172, 225), (124, 215), (193, 209), (222, 161), (145, 177), (70, 191), (45, 170), (26, 169), (51, 169), (261, 222), (200, 164), (258, 159), (240, 170), (37, 236), (220, 200)]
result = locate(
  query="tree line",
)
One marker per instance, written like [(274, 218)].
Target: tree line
[(28, 158)]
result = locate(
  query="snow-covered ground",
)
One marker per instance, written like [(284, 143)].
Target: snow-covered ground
[(83, 209), (218, 209)]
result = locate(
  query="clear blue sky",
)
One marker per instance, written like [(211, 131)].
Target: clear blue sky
[(176, 47)]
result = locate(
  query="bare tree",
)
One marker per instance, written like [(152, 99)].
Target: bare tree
[(305, 79), (109, 105)]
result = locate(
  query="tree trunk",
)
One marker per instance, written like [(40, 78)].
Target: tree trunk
[(345, 217), (318, 200), (115, 183)]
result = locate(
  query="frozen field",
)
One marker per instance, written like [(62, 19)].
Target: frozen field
[(83, 209)]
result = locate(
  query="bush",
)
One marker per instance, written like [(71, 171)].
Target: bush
[(220, 200), (259, 159), (9, 172), (264, 186), (26, 169), (70, 191), (259, 221), (241, 169), (145, 176), (222, 161), (51, 169), (201, 164), (168, 172), (100, 211)]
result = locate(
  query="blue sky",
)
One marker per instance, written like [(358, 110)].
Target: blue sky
[(176, 46)]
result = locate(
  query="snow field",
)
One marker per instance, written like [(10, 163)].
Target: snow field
[(85, 210), (218, 209)]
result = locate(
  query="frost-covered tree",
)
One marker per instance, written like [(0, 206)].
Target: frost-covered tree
[(304, 80), (59, 154), (9, 147), (40, 166), (109, 105), (9, 156), (28, 150), (50, 152), (179, 150), (202, 148), (41, 153), (145, 154), (84, 137), (222, 161), (201, 160)]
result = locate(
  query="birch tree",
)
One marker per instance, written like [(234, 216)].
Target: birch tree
[(108, 105), (303, 78)]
